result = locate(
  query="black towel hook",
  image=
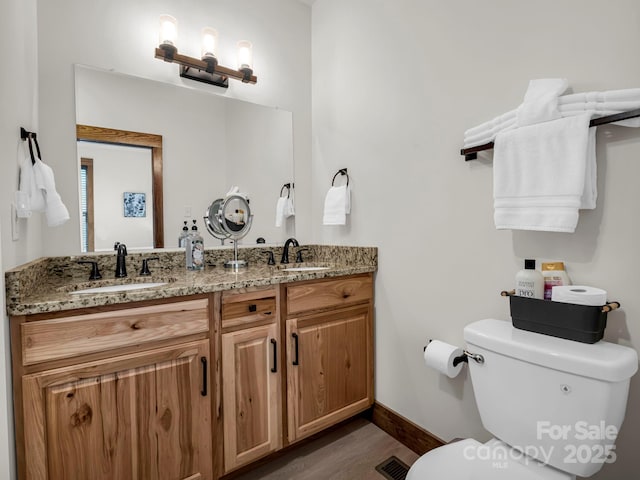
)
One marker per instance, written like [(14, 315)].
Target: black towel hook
[(342, 171), (26, 135)]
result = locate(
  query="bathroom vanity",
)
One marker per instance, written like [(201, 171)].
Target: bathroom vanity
[(192, 379)]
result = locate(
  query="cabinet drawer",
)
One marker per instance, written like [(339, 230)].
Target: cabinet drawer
[(324, 294), (245, 308), (47, 340)]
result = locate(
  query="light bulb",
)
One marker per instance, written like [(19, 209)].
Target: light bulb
[(209, 43), (245, 55), (168, 31)]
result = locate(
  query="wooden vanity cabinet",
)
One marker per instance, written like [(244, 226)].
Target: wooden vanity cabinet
[(251, 375), (329, 332), (93, 405)]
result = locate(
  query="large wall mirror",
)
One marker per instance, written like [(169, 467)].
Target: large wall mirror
[(209, 143)]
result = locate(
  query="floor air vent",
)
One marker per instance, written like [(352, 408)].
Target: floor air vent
[(393, 469)]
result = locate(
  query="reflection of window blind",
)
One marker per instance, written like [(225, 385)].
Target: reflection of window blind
[(84, 226)]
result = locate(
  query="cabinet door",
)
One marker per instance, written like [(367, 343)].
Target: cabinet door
[(140, 416), (251, 394), (329, 369)]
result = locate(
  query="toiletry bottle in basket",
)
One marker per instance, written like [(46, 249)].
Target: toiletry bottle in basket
[(529, 281)]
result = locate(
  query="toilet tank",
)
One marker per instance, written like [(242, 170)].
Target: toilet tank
[(559, 401)]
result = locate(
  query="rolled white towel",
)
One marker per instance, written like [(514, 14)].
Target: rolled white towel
[(541, 101)]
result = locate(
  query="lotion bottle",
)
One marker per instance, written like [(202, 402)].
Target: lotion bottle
[(554, 275), (195, 249), (529, 281)]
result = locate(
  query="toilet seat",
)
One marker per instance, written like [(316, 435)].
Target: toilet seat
[(471, 460)]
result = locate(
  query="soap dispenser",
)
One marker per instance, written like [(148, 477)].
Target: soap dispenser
[(182, 239), (194, 249)]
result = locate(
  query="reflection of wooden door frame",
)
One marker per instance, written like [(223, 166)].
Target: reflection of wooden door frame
[(148, 140), (88, 164)]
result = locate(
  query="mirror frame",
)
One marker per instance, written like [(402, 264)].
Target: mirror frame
[(135, 139)]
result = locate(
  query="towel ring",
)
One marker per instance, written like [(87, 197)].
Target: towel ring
[(288, 186), (342, 171)]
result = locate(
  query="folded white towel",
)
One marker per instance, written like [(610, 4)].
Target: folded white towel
[(55, 210), (540, 173), (337, 204), (541, 101)]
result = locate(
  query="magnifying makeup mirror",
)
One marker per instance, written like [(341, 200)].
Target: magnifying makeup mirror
[(231, 218)]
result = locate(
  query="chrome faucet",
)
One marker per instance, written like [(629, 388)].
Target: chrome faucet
[(121, 266), (285, 251)]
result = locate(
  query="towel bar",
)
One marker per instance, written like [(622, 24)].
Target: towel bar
[(471, 153)]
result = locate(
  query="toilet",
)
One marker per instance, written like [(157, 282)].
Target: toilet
[(554, 407)]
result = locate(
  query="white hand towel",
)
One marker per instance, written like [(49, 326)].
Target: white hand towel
[(337, 204), (289, 210), (55, 210), (539, 174), (280, 207), (32, 197), (541, 101)]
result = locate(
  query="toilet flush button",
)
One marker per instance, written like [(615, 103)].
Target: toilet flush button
[(566, 389)]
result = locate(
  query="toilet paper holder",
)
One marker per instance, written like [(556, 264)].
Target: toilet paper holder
[(466, 355)]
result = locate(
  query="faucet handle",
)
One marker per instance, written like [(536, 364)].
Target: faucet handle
[(95, 271), (144, 271), (299, 254), (271, 260), (121, 248)]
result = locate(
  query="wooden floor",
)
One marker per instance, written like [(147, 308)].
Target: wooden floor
[(348, 453)]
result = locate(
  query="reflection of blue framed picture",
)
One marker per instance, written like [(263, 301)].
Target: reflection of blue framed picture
[(135, 204)]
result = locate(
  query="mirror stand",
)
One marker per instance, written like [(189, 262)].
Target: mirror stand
[(235, 263), (231, 218)]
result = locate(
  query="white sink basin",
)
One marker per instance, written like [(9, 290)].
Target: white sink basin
[(119, 288), (305, 269)]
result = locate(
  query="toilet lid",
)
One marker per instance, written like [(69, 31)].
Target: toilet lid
[(471, 460)]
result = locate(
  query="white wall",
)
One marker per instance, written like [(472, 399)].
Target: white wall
[(122, 36), (395, 84), (18, 97)]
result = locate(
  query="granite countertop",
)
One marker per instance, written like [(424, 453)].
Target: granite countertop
[(45, 285)]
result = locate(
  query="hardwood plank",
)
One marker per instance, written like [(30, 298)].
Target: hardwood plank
[(347, 453)]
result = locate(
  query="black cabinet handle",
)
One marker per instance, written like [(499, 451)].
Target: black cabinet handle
[(203, 392), (253, 307), (274, 369), (295, 342)]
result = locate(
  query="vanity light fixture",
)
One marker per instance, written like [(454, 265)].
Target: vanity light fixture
[(206, 69)]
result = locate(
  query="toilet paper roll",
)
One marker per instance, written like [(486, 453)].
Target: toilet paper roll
[(439, 356), (579, 294)]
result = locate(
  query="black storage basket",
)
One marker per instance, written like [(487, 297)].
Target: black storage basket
[(581, 323)]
